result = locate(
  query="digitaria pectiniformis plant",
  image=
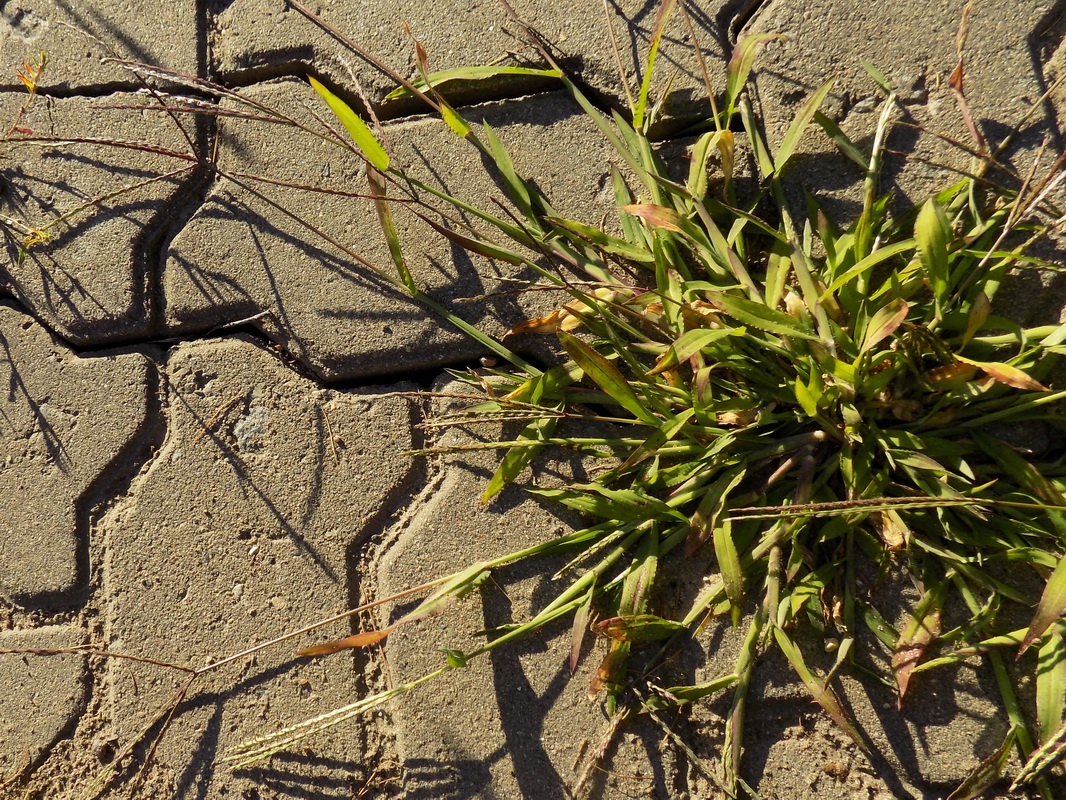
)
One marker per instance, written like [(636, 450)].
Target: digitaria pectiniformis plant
[(794, 395)]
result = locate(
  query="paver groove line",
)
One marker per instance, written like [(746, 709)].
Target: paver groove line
[(262, 338)]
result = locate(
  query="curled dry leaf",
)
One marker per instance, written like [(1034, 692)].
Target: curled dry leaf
[(609, 668), (894, 532), (951, 376), (911, 646), (1005, 373), (656, 216), (738, 419), (363, 639), (567, 318)]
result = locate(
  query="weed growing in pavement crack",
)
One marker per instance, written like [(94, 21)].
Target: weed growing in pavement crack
[(796, 395)]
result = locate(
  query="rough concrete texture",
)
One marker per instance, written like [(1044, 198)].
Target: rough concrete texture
[(246, 486), (42, 695), (914, 46), (66, 422), (77, 37), (514, 723), (256, 38), (97, 210), (268, 251), (243, 527)]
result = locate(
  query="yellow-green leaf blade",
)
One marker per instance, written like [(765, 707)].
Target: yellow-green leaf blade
[(479, 73), (799, 125), (1052, 606), (932, 232), (606, 375), (760, 316), (362, 136), (725, 551)]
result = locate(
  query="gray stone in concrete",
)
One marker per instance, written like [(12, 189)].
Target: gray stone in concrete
[(101, 208), (240, 256), (77, 34), (913, 44), (265, 37), (243, 528), (42, 695), (512, 724), (65, 423)]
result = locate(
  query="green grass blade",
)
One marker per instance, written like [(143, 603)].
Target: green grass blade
[(865, 265), (932, 233), (739, 67), (479, 73), (799, 125), (366, 142), (604, 241), (516, 187), (606, 375), (480, 246), (687, 694), (705, 519), (755, 139), (665, 7), (1051, 683), (660, 437), (1052, 606), (518, 458), (884, 323), (580, 628), (988, 771), (759, 316), (688, 344), (822, 695), (381, 206), (725, 552), (840, 139), (734, 731), (620, 505), (697, 169), (1043, 759)]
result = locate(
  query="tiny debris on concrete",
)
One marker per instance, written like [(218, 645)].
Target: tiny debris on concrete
[(236, 470), (67, 421)]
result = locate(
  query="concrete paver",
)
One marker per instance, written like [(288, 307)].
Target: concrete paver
[(77, 36), (279, 495), (264, 37), (513, 724), (67, 423), (240, 255), (102, 210), (42, 696), (914, 46), (241, 529)]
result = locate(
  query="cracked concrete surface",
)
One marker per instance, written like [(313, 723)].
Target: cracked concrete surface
[(206, 402)]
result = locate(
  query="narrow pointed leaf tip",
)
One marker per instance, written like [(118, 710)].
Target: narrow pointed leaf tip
[(1005, 373), (1052, 606), (348, 643), (364, 139), (607, 377), (478, 73)]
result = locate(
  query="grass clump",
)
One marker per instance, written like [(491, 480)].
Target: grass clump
[(798, 396), (801, 397), (804, 399)]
